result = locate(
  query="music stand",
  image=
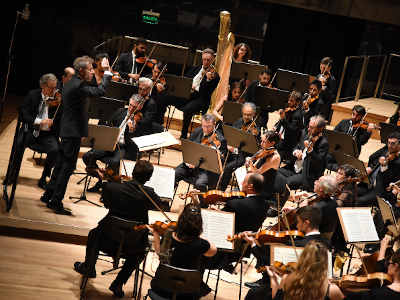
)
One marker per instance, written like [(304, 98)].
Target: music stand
[(246, 70), (342, 142), (289, 80), (388, 216), (103, 108), (240, 139), (201, 156), (343, 158), (270, 99), (120, 91), (386, 130), (231, 111), (99, 138), (179, 86)]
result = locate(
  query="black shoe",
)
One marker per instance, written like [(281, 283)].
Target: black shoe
[(116, 288), (255, 284), (42, 183), (82, 269), (204, 289), (371, 248), (59, 209), (45, 198), (229, 268), (272, 213), (96, 188)]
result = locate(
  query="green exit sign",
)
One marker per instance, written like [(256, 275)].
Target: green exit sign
[(150, 17)]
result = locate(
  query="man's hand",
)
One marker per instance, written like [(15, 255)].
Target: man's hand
[(131, 126), (189, 166), (46, 123), (210, 75), (298, 154), (105, 64), (382, 161), (134, 76)]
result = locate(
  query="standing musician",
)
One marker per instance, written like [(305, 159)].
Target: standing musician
[(124, 200), (312, 104), (39, 120), (310, 155), (235, 93), (134, 121), (208, 135), (131, 63), (74, 126), (236, 159), (329, 84), (290, 125)]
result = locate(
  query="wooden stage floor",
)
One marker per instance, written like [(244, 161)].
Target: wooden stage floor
[(42, 269)]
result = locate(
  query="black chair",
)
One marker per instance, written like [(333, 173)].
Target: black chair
[(174, 281), (120, 241)]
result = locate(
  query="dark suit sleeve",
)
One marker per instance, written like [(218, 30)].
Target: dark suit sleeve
[(207, 87), (319, 153), (341, 127), (26, 109), (119, 66), (295, 122), (106, 194), (96, 91), (149, 116)]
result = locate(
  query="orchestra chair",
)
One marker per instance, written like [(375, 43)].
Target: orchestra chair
[(124, 244), (174, 281)]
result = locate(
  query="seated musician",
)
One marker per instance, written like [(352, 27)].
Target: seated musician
[(237, 159), (39, 114), (130, 65), (264, 80), (186, 248), (347, 177), (131, 127), (309, 280), (235, 93), (207, 134), (98, 69), (328, 81), (313, 102), (205, 80), (254, 205), (290, 125), (66, 76), (310, 155), (308, 219), (241, 53), (159, 90), (383, 166), (127, 201)]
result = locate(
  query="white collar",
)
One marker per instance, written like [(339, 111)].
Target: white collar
[(313, 233)]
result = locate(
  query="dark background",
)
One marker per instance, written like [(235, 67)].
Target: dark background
[(295, 38)]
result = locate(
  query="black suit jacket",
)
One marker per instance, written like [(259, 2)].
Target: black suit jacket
[(197, 136), (292, 125), (125, 63), (329, 215), (74, 120), (302, 242), (383, 179), (362, 135), (250, 212), (206, 87)]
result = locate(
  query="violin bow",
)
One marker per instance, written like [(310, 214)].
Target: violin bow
[(152, 201), (158, 77), (291, 237), (362, 120), (147, 59)]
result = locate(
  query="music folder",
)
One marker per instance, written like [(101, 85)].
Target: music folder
[(101, 137), (246, 70), (231, 111), (339, 141), (290, 80), (387, 129), (201, 156), (103, 108), (388, 216), (343, 158), (239, 138), (270, 99), (120, 91), (179, 86)]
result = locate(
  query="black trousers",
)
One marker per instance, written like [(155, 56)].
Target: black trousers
[(200, 178), (235, 161), (110, 158), (65, 166)]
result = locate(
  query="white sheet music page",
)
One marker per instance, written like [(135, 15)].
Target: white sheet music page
[(217, 225), (149, 140), (359, 225), (240, 174)]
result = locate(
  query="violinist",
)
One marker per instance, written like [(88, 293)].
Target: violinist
[(347, 177), (187, 247), (124, 200), (38, 114), (309, 156), (290, 125), (131, 63), (329, 84), (98, 69), (207, 134), (135, 121), (236, 159), (159, 90), (312, 102), (234, 95)]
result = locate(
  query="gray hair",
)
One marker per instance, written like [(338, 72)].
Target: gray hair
[(328, 184), (147, 81), (320, 120), (46, 77), (251, 105), (82, 62), (208, 117)]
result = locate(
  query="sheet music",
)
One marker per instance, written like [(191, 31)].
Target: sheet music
[(162, 180), (240, 174), (358, 225), (217, 225), (148, 140)]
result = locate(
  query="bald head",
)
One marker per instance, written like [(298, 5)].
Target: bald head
[(68, 73)]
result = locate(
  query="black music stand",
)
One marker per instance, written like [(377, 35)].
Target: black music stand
[(99, 138), (201, 156), (231, 111), (386, 130), (103, 108), (270, 99), (240, 139), (343, 158), (289, 80), (246, 70), (120, 91), (342, 142), (388, 216)]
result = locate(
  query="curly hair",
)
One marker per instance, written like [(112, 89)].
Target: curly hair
[(310, 275), (190, 223), (247, 56)]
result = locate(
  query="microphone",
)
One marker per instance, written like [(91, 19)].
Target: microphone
[(26, 13)]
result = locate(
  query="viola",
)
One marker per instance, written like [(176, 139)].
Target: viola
[(309, 101), (110, 175), (211, 141), (149, 62), (55, 100), (269, 236), (280, 268), (364, 125), (250, 128), (158, 226), (262, 154), (215, 196)]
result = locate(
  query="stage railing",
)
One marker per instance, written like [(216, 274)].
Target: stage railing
[(391, 82)]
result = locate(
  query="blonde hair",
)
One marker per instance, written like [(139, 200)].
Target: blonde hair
[(308, 280)]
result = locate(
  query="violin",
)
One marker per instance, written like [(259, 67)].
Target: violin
[(55, 100), (158, 226), (280, 268), (148, 62), (269, 236), (365, 125), (110, 175), (215, 196), (211, 141), (309, 101), (262, 154), (373, 280), (250, 128)]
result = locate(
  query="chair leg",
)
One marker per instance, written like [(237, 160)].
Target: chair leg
[(83, 287), (241, 279), (216, 285), (141, 277)]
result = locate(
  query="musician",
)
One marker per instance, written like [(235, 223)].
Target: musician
[(98, 70), (126, 148), (308, 220), (310, 155), (187, 248), (329, 85), (124, 200), (39, 125), (313, 102), (201, 179), (236, 158), (129, 64), (346, 177), (74, 126), (290, 125), (67, 75), (264, 80), (234, 95), (241, 53), (353, 126), (159, 90)]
